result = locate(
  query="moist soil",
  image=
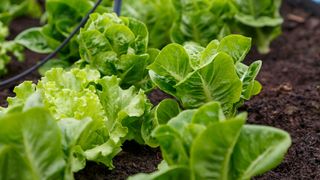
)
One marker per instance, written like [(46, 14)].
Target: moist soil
[(290, 100)]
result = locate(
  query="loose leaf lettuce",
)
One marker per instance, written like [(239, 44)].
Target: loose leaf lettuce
[(196, 75), (61, 19), (194, 147), (94, 114), (8, 48), (10, 9)]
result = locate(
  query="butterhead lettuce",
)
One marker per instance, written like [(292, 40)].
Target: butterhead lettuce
[(196, 75), (204, 144)]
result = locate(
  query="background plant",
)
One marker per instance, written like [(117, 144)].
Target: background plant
[(61, 19), (201, 21), (10, 10)]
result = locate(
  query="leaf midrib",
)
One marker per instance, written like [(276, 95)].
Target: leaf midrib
[(30, 159)]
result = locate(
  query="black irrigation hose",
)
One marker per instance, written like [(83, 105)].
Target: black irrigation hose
[(117, 7), (50, 56), (312, 6)]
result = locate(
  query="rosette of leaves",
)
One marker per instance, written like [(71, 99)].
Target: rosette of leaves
[(62, 17), (117, 46), (95, 115), (201, 21), (158, 15), (260, 20), (204, 144), (196, 75)]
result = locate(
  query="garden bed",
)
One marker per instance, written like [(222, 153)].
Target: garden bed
[(290, 100)]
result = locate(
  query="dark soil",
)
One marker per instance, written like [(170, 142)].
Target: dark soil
[(290, 100), (15, 67)]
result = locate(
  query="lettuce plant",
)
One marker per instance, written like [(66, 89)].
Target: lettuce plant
[(201, 21), (7, 48), (61, 19), (94, 114), (158, 15), (117, 46), (196, 75), (9, 10), (260, 20), (204, 144)]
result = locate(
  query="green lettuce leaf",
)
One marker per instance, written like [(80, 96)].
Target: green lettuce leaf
[(117, 46), (8, 49), (196, 75), (61, 18), (159, 115), (95, 114), (200, 21), (217, 81), (34, 40), (261, 20), (123, 107), (30, 146), (177, 172), (259, 149), (206, 145), (158, 15)]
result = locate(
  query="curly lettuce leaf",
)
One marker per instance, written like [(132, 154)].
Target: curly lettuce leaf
[(123, 107), (8, 48), (94, 114)]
